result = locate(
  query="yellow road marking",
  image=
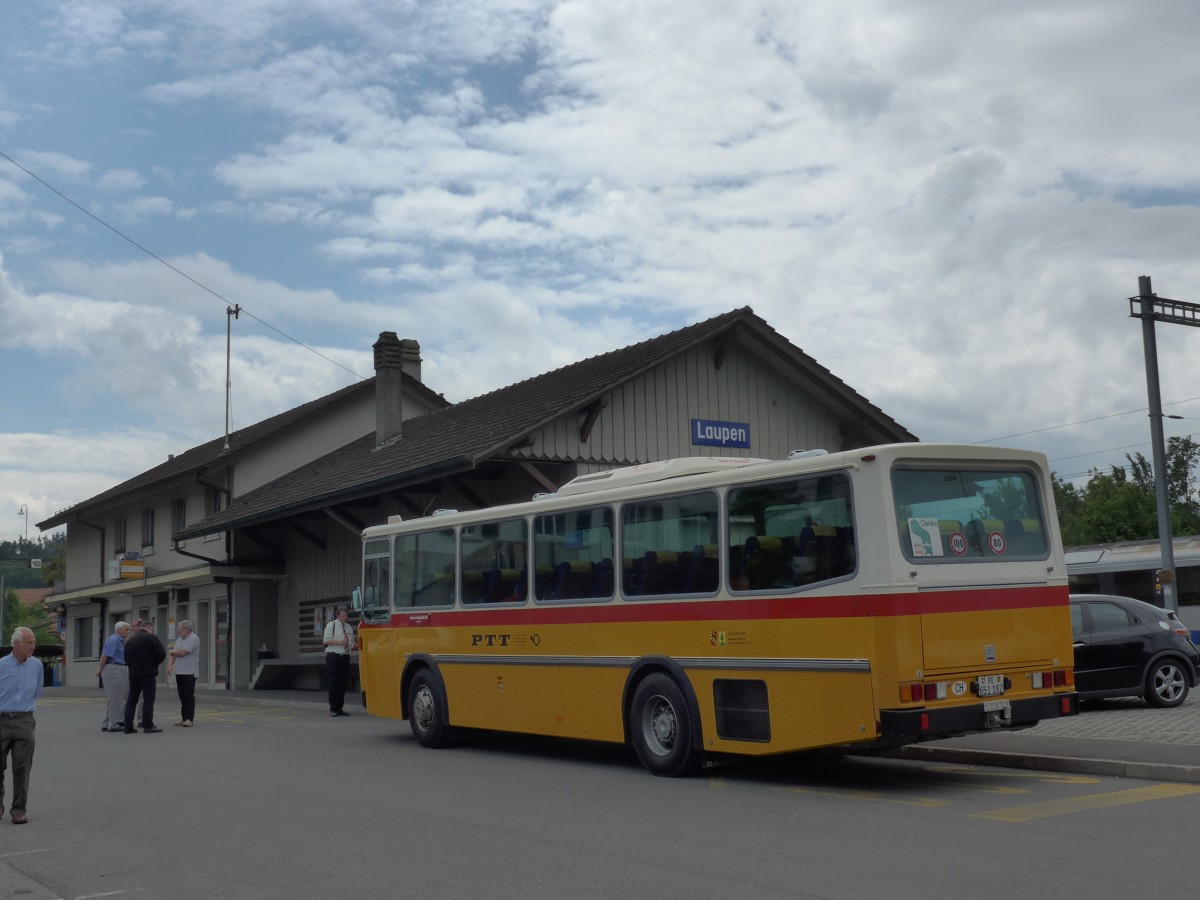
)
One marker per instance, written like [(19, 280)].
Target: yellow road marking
[(1088, 802), (716, 784), (923, 802), (1051, 778), (980, 788)]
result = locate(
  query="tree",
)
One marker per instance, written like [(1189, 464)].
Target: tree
[(1122, 506), (17, 613)]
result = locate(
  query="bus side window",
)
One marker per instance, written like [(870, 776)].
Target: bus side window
[(572, 554), (804, 533), (425, 564)]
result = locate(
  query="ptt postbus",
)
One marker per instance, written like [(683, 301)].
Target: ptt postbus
[(708, 606)]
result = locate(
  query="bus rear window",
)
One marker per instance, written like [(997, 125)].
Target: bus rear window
[(950, 514)]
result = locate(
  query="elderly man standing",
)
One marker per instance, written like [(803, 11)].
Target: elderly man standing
[(20, 686), (114, 675), (184, 664), (144, 653)]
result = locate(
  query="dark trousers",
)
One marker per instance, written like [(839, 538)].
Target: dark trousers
[(337, 676), (146, 687), (186, 686), (16, 739)]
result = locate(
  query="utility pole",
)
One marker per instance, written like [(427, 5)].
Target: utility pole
[(231, 313), (1149, 307)]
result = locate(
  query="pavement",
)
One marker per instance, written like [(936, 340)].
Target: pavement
[(1124, 737)]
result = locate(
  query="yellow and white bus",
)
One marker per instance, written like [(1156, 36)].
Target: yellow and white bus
[(706, 606)]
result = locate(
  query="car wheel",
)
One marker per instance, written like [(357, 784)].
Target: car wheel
[(1166, 684)]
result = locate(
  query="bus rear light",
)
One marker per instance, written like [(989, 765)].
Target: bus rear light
[(1042, 680), (917, 691), (1060, 677), (924, 721), (1066, 706)]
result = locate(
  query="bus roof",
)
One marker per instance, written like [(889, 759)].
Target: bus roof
[(654, 471), (701, 472)]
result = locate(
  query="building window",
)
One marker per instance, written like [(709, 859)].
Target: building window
[(85, 637), (148, 528), (214, 501), (119, 534), (178, 515)]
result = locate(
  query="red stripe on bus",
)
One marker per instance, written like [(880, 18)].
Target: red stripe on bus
[(825, 607)]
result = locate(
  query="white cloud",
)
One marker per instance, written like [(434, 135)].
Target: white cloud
[(145, 207), (52, 163), (120, 180)]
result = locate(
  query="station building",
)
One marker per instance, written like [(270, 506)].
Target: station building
[(256, 537)]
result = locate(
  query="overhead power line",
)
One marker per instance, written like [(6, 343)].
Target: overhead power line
[(174, 268), (1127, 412)]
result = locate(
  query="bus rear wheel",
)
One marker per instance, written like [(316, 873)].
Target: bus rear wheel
[(661, 727), (427, 710)]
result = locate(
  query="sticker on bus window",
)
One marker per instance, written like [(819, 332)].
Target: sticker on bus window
[(958, 543), (996, 543), (926, 536)]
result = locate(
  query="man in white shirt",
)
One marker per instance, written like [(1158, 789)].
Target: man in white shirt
[(184, 664), (339, 641)]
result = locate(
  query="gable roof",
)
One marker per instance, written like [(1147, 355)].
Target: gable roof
[(33, 596), (210, 455), (458, 437)]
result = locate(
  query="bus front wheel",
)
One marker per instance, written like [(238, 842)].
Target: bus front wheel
[(427, 710), (660, 723)]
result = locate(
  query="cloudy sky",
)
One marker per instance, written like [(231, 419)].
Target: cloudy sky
[(945, 203)]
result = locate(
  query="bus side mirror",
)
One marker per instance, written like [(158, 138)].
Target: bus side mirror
[(356, 598)]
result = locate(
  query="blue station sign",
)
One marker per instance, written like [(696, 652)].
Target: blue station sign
[(713, 433)]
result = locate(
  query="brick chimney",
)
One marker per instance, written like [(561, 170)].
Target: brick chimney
[(393, 357), (410, 350)]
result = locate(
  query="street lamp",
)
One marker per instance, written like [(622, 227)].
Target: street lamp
[(24, 511)]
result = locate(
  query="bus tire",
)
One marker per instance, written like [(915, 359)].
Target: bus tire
[(1166, 683), (661, 728), (427, 711)]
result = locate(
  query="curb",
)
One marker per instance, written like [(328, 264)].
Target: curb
[(1071, 764)]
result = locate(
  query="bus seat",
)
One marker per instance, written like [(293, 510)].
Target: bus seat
[(474, 586), (602, 578), (572, 580), (543, 580), (817, 554), (663, 572), (768, 561), (1025, 537), (703, 575), (628, 575), (503, 585)]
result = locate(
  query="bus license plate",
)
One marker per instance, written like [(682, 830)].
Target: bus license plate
[(991, 685)]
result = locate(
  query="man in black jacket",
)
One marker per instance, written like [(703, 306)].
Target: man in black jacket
[(144, 653)]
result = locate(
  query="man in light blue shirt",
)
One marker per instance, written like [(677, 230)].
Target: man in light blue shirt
[(20, 686), (115, 676)]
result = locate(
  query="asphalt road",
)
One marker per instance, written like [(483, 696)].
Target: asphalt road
[(286, 802)]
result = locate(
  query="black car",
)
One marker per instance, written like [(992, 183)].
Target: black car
[(1127, 648)]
